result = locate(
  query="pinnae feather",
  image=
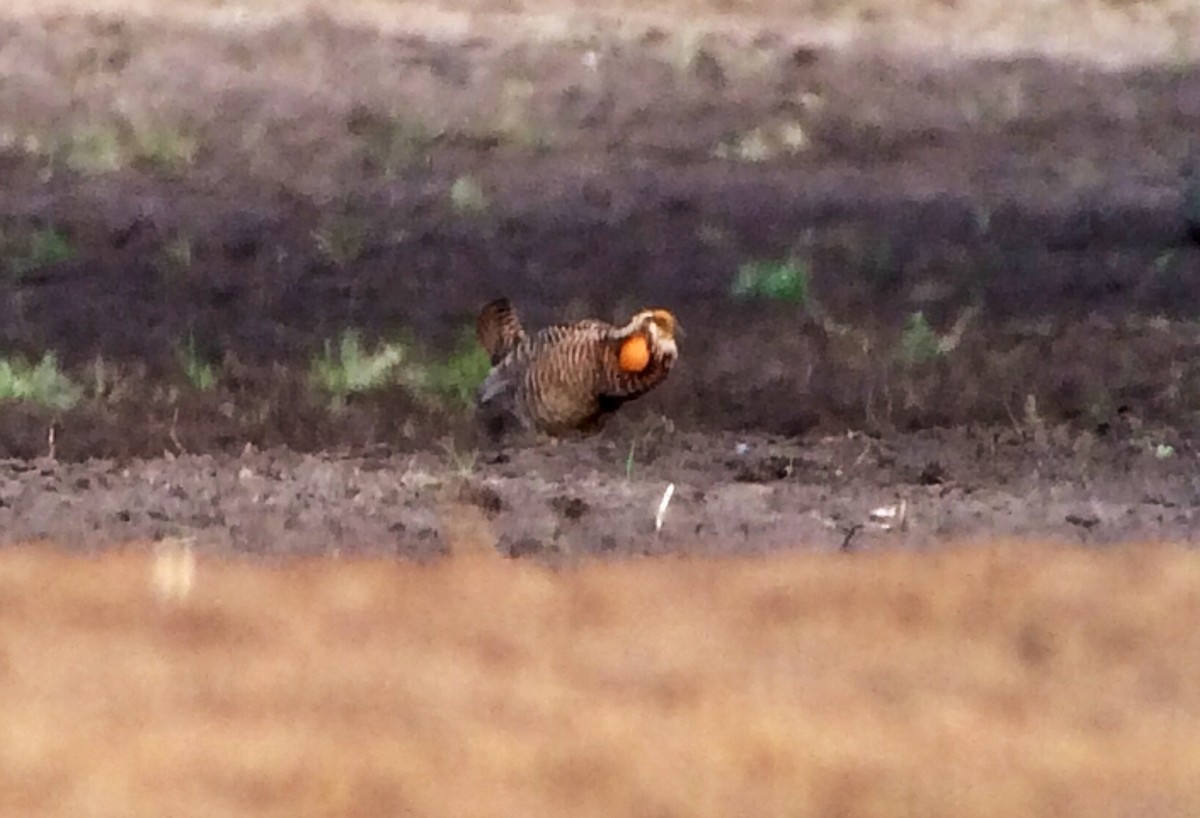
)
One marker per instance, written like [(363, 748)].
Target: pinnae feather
[(499, 329)]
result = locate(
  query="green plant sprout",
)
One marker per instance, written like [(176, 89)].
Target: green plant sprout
[(350, 368), (199, 372), (40, 248), (918, 343), (786, 280), (454, 381), (42, 383)]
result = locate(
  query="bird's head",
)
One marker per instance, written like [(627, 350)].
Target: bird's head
[(659, 324), (660, 330)]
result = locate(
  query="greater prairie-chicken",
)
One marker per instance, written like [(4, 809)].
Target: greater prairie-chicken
[(570, 377)]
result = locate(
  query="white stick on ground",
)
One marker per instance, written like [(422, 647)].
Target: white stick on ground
[(662, 507)]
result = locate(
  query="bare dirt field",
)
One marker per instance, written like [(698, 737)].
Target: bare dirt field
[(993, 680), (732, 494), (994, 217), (938, 264)]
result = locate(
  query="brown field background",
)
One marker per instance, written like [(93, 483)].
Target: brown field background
[(1000, 679)]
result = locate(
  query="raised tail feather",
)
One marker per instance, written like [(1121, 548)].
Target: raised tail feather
[(498, 329)]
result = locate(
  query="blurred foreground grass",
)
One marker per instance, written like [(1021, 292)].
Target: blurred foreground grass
[(1004, 679)]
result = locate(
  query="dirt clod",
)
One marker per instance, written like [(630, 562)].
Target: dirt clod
[(571, 508)]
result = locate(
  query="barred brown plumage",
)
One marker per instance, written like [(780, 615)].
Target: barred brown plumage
[(570, 377)]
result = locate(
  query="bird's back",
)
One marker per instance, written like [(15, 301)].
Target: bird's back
[(551, 379)]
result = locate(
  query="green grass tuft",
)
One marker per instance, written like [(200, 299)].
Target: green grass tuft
[(38, 249), (199, 372), (454, 381), (165, 148), (350, 368), (467, 195), (93, 149), (919, 344), (100, 148), (786, 281), (42, 383), (444, 383)]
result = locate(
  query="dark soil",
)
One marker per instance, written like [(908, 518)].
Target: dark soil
[(1036, 213), (732, 494)]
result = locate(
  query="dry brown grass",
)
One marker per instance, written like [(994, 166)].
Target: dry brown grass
[(999, 680)]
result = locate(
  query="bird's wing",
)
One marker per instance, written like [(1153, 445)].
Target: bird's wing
[(498, 382)]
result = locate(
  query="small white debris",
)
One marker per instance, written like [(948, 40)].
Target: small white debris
[(591, 60), (742, 448), (794, 137), (662, 507), (885, 518), (245, 473), (1164, 451)]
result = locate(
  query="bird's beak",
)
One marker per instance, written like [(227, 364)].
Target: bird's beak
[(679, 333)]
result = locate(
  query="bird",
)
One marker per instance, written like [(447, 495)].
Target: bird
[(570, 377)]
